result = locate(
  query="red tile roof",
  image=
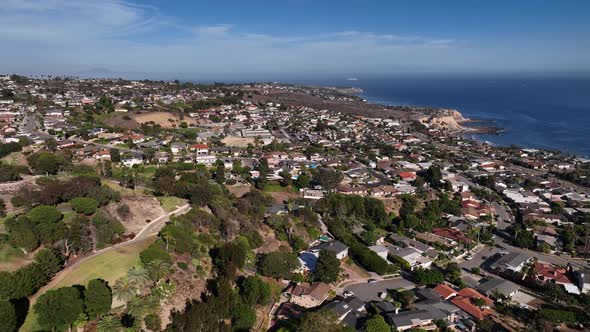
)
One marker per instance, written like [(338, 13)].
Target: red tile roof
[(444, 291), (549, 272), (464, 300)]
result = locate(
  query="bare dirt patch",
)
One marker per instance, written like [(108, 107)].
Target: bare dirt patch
[(271, 243), (164, 119), (239, 190), (141, 209), (236, 141)]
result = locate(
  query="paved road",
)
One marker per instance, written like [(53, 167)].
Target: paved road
[(505, 217), (370, 292), (148, 230)]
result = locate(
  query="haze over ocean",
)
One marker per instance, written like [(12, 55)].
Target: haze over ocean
[(547, 113)]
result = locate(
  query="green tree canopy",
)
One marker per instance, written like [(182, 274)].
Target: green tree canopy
[(84, 205), (7, 316), (327, 267), (58, 309), (98, 298), (44, 214), (376, 324)]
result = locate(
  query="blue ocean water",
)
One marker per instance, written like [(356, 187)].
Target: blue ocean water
[(546, 113)]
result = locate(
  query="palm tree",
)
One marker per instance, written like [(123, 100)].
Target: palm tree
[(139, 276), (158, 269), (124, 289), (109, 323)]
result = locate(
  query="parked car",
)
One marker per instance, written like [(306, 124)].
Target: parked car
[(372, 281), (348, 294)]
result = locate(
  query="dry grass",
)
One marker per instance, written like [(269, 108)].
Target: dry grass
[(236, 141)]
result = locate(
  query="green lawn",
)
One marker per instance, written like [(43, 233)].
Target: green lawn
[(276, 188), (9, 254), (171, 203), (109, 266)]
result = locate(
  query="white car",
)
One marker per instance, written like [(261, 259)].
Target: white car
[(348, 294), (468, 257)]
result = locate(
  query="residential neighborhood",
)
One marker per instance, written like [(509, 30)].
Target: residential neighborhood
[(290, 205)]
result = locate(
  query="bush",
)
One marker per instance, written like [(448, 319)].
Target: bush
[(155, 252), (558, 316), (84, 205), (182, 265), (153, 322)]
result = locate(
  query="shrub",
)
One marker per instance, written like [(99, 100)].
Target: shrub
[(84, 205), (182, 265)]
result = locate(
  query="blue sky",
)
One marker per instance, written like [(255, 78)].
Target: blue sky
[(293, 38)]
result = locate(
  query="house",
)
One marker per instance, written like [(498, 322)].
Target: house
[(161, 157), (208, 160), (445, 291), (545, 273), (342, 307), (103, 155), (339, 248), (381, 251), (412, 256), (465, 300), (200, 149), (498, 286), (416, 319), (407, 176), (308, 295), (513, 262), (177, 147), (129, 161)]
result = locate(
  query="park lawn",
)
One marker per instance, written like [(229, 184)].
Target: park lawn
[(171, 203), (109, 266), (9, 254)]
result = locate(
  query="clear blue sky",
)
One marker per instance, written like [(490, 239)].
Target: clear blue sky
[(294, 38)]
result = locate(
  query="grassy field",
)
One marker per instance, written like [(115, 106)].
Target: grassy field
[(170, 203), (109, 266), (277, 188)]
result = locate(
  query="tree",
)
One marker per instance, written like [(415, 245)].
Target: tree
[(328, 178), (153, 322), (428, 277), (278, 264), (243, 318), (327, 267), (158, 269), (302, 181), (84, 205), (46, 163), (323, 320), (109, 323), (98, 298), (376, 324), (254, 290), (2, 208), (8, 319), (59, 309), (138, 275), (286, 179), (124, 289), (115, 155), (21, 233), (44, 214)]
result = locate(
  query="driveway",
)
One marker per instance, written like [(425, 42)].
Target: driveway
[(370, 292)]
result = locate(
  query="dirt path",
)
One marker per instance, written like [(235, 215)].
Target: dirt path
[(144, 234)]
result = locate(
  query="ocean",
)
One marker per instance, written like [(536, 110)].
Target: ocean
[(545, 113)]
